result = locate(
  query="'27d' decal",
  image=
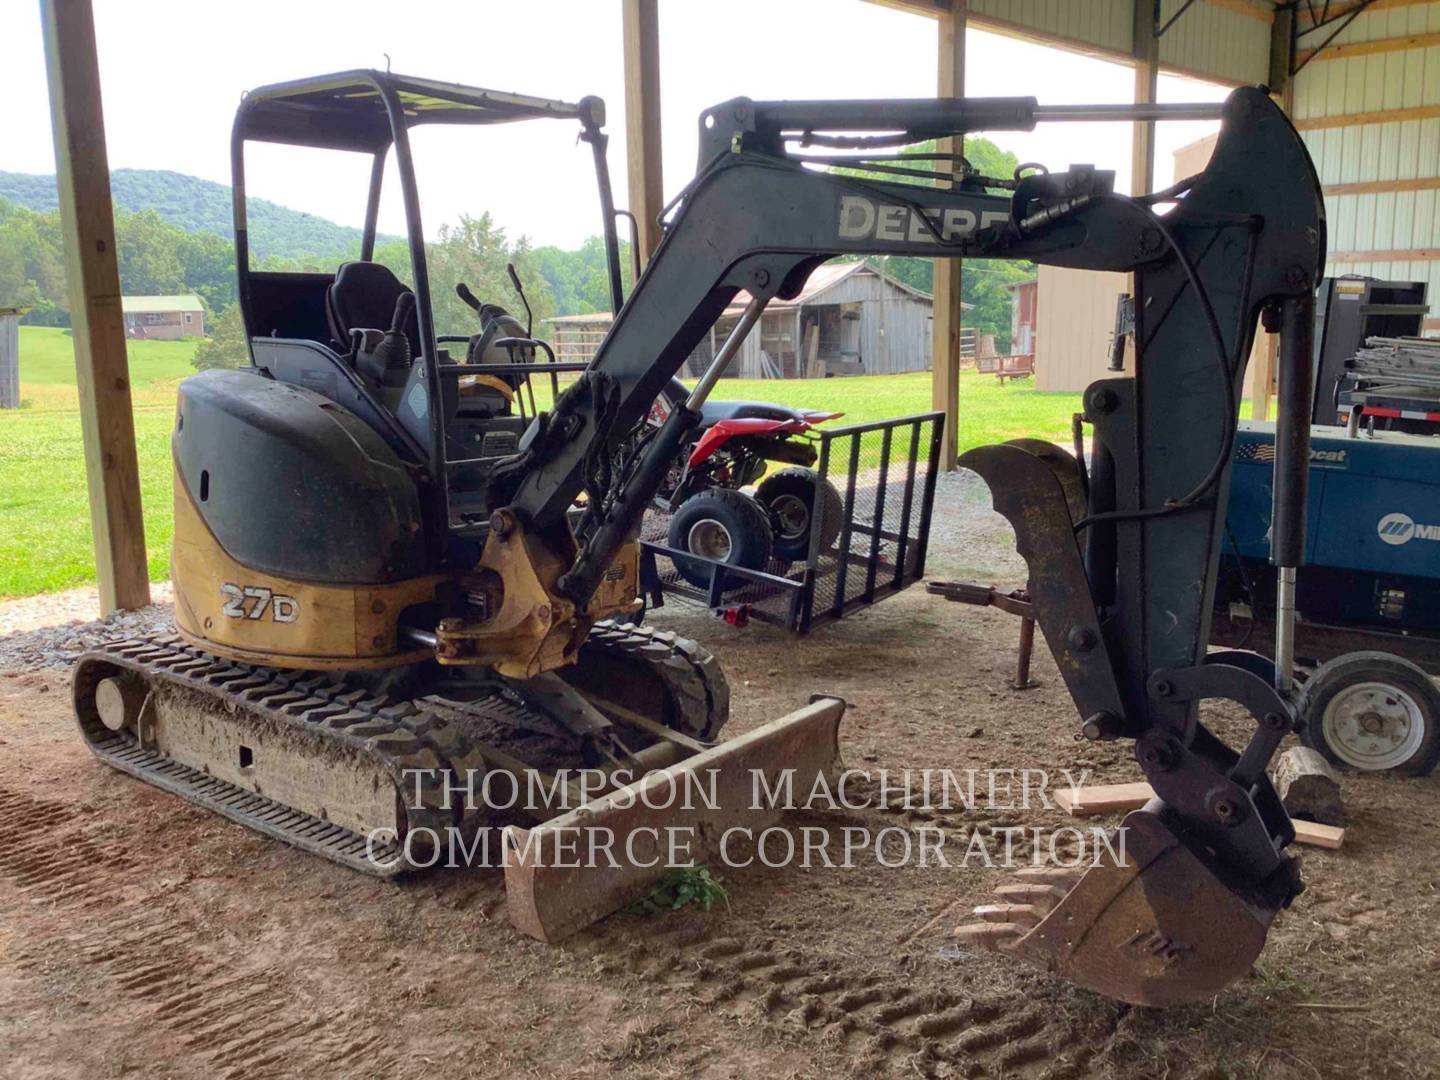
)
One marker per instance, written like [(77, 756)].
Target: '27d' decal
[(253, 602)]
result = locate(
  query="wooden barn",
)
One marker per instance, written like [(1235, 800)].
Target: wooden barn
[(850, 319)]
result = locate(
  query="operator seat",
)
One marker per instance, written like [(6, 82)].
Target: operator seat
[(363, 297)]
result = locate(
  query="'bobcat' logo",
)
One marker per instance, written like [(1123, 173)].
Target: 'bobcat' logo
[(253, 601)]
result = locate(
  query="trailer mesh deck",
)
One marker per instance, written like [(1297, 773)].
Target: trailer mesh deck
[(885, 475)]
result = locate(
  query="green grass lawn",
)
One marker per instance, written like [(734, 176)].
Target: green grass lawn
[(45, 544)]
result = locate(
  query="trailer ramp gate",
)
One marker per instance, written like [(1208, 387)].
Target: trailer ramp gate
[(885, 474)]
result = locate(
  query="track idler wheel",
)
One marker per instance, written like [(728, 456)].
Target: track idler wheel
[(1158, 926)]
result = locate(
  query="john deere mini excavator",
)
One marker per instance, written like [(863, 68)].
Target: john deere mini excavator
[(379, 574)]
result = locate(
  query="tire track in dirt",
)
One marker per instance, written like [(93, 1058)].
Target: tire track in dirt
[(879, 1019), (240, 1023)]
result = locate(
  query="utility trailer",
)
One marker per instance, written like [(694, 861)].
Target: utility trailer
[(885, 473)]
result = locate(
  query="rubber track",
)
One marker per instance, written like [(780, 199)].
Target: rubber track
[(401, 738), (689, 671)]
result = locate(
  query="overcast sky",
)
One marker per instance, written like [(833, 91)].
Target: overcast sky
[(172, 72)]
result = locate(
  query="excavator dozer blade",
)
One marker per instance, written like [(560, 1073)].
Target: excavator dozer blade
[(563, 875), (1159, 928)]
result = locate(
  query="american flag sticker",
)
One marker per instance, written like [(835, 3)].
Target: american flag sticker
[(1262, 452)]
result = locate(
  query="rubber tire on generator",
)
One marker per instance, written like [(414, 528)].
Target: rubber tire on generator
[(742, 520), (1338, 687), (803, 484)]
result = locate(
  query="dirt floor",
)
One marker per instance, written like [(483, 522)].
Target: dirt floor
[(139, 935)]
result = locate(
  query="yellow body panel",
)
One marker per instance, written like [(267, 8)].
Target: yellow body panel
[(231, 610)]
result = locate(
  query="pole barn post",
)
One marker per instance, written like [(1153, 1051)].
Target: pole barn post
[(102, 370), (945, 351), (641, 25), (10, 356)]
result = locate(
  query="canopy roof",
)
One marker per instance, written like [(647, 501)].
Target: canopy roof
[(347, 111)]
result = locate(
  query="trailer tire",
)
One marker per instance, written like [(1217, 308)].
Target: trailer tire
[(790, 497), (1373, 712), (721, 524)]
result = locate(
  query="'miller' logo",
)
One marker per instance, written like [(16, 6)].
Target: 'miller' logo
[(1401, 529), (865, 219)]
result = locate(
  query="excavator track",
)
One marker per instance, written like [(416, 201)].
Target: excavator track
[(391, 764), (340, 724), (698, 695)]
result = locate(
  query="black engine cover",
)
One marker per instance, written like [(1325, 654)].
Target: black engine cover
[(293, 484)]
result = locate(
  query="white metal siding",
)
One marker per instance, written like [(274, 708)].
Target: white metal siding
[(1104, 24), (1074, 320), (1215, 41), (1369, 152)]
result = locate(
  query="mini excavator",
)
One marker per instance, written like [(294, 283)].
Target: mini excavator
[(386, 566)]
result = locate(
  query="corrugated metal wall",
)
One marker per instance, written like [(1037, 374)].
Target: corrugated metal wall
[(1226, 42), (1105, 24), (1356, 153)]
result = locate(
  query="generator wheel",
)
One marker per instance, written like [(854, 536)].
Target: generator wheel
[(1373, 712), (725, 525), (790, 497)]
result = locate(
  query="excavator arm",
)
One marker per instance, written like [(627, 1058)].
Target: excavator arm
[(1122, 589)]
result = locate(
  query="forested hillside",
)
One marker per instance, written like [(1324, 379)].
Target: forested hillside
[(173, 235), (200, 206)]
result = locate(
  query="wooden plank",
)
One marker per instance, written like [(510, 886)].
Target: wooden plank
[(1369, 187), (1122, 798), (1329, 837), (1262, 375), (1244, 7), (947, 310), (1379, 116), (101, 366), (1147, 77), (1342, 7), (641, 25), (1369, 48), (1389, 255), (1104, 798)]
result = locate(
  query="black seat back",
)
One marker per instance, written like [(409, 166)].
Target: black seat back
[(363, 297)]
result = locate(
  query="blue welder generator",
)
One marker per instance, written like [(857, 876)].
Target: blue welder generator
[(1368, 595)]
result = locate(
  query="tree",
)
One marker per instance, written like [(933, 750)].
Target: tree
[(226, 346), (983, 286)]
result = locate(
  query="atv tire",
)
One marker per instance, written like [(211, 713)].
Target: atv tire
[(725, 525), (1373, 712), (790, 496)]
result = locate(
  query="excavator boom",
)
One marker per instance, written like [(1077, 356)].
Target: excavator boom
[(1122, 578)]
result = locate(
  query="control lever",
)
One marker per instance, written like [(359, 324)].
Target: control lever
[(467, 297), (520, 292)]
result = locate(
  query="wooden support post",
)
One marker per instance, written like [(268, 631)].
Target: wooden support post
[(1261, 376), (1265, 356), (642, 120), (1147, 76), (946, 310), (102, 370), (10, 356)]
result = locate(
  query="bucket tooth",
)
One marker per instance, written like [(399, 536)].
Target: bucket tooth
[(1160, 925)]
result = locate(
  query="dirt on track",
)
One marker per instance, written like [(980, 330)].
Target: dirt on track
[(139, 935)]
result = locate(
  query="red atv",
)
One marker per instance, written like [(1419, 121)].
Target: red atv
[(731, 449)]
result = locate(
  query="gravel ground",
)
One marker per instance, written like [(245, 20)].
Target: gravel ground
[(51, 630), (967, 540)]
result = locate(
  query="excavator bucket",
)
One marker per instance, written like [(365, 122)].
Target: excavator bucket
[(1157, 926), (565, 874)]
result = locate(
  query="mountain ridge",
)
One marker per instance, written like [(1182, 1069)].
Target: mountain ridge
[(197, 205)]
